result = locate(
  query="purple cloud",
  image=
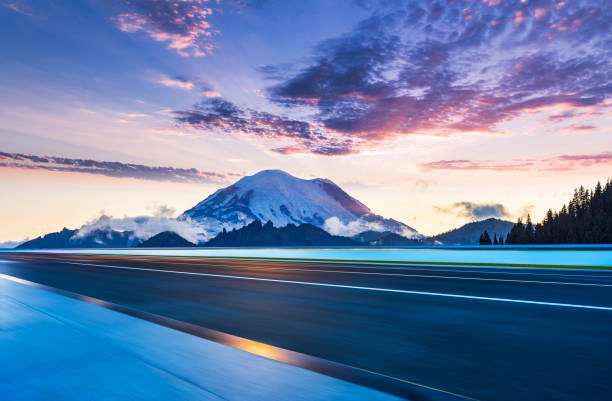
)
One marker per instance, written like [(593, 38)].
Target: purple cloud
[(219, 115), (580, 127), (183, 24), (439, 67), (558, 163), (432, 68), (110, 169)]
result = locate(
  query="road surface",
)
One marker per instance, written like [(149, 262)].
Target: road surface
[(489, 334)]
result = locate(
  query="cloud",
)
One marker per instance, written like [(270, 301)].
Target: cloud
[(475, 211), (176, 82), (582, 160), (439, 68), (110, 169), (145, 227), (558, 163), (335, 226), (526, 210), (219, 115), (182, 24), (211, 93), (17, 6), (475, 165), (580, 128), (134, 115)]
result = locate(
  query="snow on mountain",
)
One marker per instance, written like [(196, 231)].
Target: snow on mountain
[(276, 196)]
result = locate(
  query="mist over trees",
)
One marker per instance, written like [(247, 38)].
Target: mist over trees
[(586, 219)]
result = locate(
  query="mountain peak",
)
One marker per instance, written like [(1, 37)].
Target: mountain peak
[(281, 198), (271, 173)]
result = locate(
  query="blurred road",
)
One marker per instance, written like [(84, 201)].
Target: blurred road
[(490, 334)]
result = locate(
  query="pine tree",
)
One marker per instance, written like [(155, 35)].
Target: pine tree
[(485, 239), (529, 230)]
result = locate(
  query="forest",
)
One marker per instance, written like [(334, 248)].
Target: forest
[(586, 219)]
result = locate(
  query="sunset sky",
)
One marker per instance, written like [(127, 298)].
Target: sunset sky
[(434, 113)]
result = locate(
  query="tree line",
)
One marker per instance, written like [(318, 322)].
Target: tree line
[(586, 219), (485, 239)]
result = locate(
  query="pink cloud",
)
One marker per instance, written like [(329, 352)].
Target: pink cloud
[(177, 82), (558, 163), (181, 24)]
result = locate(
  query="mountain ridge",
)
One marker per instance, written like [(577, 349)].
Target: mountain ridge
[(258, 234), (67, 239)]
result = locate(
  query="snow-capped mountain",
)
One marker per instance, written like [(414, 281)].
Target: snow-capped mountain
[(276, 196)]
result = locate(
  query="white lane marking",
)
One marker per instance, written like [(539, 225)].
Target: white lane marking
[(592, 277), (390, 267), (356, 287), (596, 273), (409, 275)]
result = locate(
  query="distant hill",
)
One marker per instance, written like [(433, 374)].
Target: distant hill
[(395, 239), (378, 238), (94, 239), (469, 233), (258, 234), (370, 236), (166, 239)]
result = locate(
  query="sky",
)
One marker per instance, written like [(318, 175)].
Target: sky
[(435, 113)]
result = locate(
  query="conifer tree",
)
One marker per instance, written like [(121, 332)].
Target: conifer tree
[(485, 239)]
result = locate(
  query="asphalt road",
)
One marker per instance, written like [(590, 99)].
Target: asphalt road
[(490, 334)]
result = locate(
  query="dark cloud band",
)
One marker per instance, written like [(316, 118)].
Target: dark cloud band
[(110, 169), (219, 115)]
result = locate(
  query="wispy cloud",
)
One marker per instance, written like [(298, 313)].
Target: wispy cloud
[(580, 128), (582, 160), (17, 7), (475, 211), (176, 82), (464, 164), (111, 169), (134, 115), (182, 24), (559, 163)]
